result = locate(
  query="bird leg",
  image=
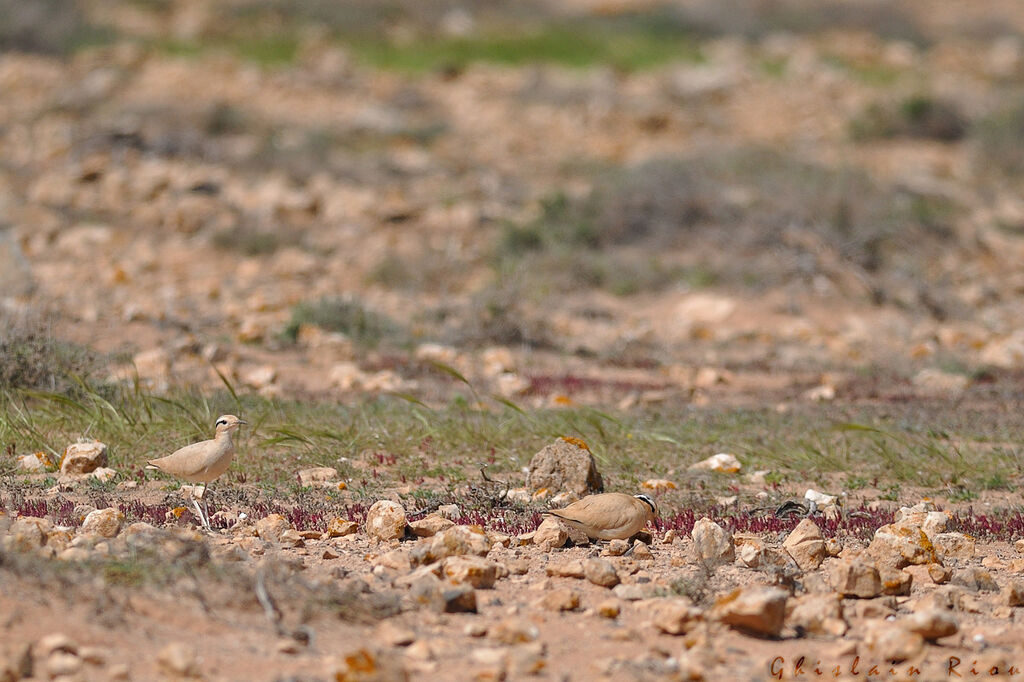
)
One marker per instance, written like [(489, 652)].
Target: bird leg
[(199, 511), (204, 517), (205, 508)]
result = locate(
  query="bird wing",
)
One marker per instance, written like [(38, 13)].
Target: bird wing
[(601, 512), (187, 461)]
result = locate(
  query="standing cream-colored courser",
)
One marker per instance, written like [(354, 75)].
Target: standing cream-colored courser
[(202, 462), (608, 516)]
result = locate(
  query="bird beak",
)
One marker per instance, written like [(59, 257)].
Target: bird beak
[(241, 421)]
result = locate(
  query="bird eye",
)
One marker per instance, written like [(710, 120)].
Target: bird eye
[(221, 422)]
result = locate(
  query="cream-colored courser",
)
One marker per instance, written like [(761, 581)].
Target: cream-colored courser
[(608, 516), (202, 462)]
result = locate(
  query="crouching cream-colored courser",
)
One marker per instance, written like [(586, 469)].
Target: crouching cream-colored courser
[(608, 516), (202, 462)]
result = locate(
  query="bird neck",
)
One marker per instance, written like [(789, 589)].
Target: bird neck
[(223, 437)]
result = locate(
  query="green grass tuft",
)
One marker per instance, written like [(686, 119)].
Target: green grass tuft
[(363, 326), (34, 358), (390, 441), (919, 116), (580, 44)]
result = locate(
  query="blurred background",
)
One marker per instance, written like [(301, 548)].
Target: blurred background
[(564, 202)]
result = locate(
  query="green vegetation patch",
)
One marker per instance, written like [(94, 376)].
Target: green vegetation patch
[(919, 116), (270, 50), (252, 241), (350, 317), (582, 43), (745, 217), (34, 358), (395, 441), (1000, 139)]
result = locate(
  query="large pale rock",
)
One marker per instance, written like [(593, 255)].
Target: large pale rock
[(609, 608), (385, 520), (527, 660), (103, 474), (939, 574), (855, 578), (450, 512), (712, 544), (476, 571), (83, 457), (430, 525), (642, 552), (567, 569), (600, 572), (55, 642), (564, 466), (458, 599), (934, 383), (757, 609), (895, 582), (317, 475), (722, 463), (953, 546), (272, 527), (179, 660), (892, 641), (817, 614), (550, 534), (974, 579), (560, 599), (932, 623), (62, 665), (428, 590), (898, 545), (752, 552), (456, 541), (924, 516), (806, 545), (396, 559), (617, 547), (1014, 593), (674, 616), (493, 662), (27, 533), (658, 485), (635, 591), (366, 665), (514, 631), (338, 527), (105, 522), (31, 463)]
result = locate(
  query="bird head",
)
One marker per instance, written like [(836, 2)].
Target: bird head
[(227, 423), (650, 503)]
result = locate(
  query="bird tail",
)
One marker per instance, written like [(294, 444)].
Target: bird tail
[(152, 467)]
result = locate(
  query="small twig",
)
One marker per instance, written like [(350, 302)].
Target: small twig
[(432, 507), (504, 493)]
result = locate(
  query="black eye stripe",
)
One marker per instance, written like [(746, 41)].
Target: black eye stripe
[(648, 501)]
